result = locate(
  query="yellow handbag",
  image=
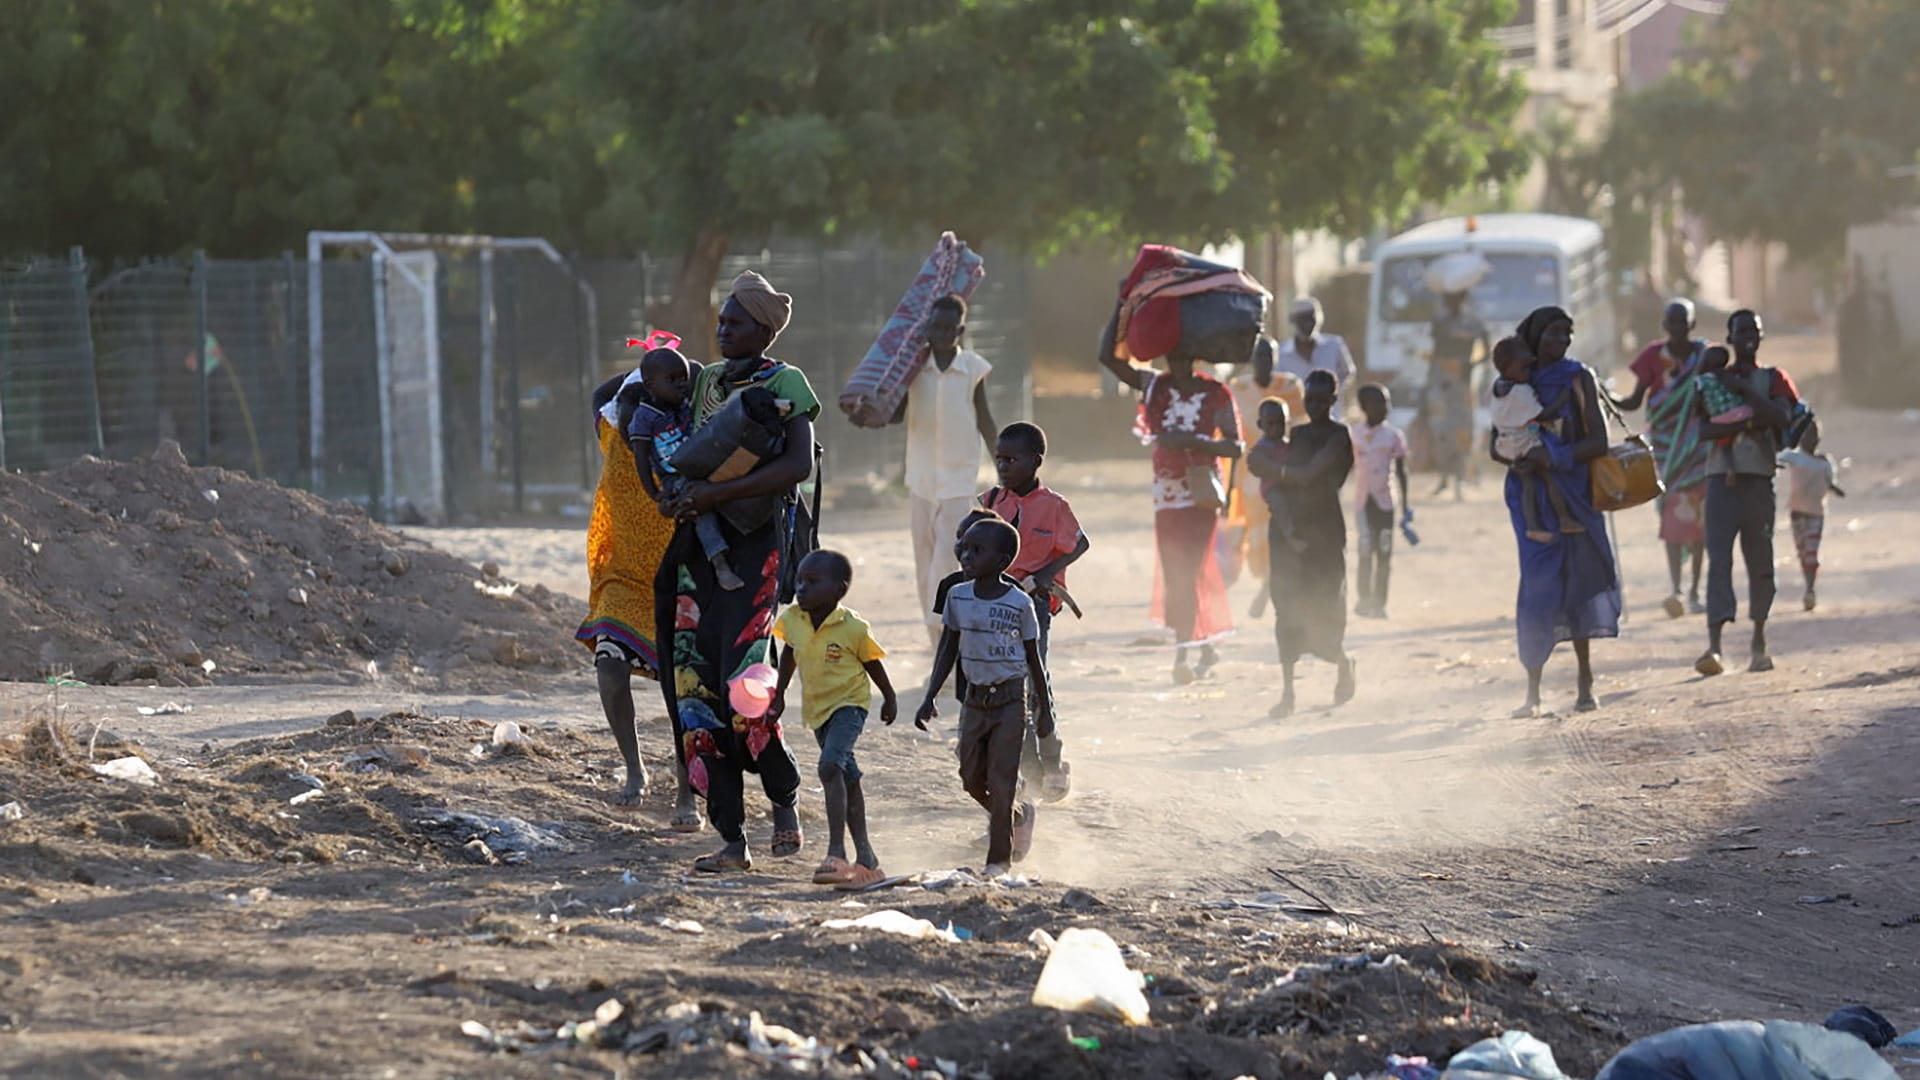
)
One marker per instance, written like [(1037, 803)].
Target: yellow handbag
[(1627, 474)]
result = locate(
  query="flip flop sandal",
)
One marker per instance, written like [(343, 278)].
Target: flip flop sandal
[(720, 863), (833, 870), (861, 878), (788, 842)]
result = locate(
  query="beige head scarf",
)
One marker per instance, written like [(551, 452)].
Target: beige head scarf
[(769, 308)]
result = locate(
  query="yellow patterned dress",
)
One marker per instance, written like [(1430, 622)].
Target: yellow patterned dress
[(626, 538)]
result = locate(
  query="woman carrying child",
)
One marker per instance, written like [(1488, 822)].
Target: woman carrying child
[(1569, 588), (1309, 571), (718, 633)]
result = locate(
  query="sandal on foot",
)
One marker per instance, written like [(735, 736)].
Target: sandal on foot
[(860, 878), (787, 842), (1343, 686), (1182, 674), (1282, 708), (833, 870), (721, 862), (1760, 662), (686, 819), (1674, 606), (1709, 664)]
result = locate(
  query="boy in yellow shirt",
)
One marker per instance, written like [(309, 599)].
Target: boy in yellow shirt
[(839, 663)]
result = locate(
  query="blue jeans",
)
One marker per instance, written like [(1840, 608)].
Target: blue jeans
[(836, 738)]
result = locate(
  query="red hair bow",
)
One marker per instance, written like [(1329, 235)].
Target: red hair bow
[(659, 339)]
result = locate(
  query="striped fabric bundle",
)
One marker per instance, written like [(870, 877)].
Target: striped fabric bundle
[(879, 382)]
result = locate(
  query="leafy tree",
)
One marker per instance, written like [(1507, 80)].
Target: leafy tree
[(1032, 123), (139, 128), (1790, 123)]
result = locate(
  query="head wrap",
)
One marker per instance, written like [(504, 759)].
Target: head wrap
[(1534, 326), (769, 308), (1307, 305)]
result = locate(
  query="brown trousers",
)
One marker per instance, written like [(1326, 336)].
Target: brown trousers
[(993, 728)]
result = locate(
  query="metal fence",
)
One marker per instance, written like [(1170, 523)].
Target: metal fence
[(465, 400)]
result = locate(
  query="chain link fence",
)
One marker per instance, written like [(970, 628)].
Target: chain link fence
[(452, 381)]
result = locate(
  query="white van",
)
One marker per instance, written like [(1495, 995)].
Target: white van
[(1537, 259)]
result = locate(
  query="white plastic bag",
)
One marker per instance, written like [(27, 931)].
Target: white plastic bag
[(1086, 973), (890, 921)]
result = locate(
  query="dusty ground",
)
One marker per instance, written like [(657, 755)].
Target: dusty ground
[(1656, 862)]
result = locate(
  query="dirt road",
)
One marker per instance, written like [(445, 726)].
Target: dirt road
[(1697, 849)]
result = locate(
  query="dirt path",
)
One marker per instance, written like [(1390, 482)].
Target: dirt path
[(1658, 861)]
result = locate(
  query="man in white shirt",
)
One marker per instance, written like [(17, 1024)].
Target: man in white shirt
[(947, 420), (1307, 351)]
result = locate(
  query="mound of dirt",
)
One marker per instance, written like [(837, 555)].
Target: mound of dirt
[(143, 571)]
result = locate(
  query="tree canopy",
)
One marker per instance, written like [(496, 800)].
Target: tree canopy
[(1790, 123), (681, 126)]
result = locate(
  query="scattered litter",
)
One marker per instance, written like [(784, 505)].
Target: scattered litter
[(1410, 1068), (305, 796), (259, 894), (297, 596), (308, 779), (1910, 1039), (496, 590), (390, 756), (512, 839), (891, 921), (12, 811), (171, 708), (1747, 1048), (131, 769), (1836, 898), (1894, 821), (951, 999), (680, 926), (938, 880), (1085, 1042), (1864, 1022), (1909, 920), (1086, 973), (508, 738), (1796, 853), (1513, 1053), (1041, 940)]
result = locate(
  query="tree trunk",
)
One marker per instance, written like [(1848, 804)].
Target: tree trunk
[(688, 310)]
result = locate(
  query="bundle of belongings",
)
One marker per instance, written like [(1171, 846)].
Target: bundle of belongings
[(879, 382), (749, 429), (1173, 300)]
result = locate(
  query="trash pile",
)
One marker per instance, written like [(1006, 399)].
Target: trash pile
[(152, 571), (717, 1029)]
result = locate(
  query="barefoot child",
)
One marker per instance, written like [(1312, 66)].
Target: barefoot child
[(1050, 541), (661, 422), (1379, 449), (839, 664), (991, 632), (1810, 476), (1516, 413)]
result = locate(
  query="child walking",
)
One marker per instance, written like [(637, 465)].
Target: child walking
[(1050, 541), (661, 422), (992, 633), (1271, 450), (1810, 475), (1379, 448), (1516, 413), (833, 649)]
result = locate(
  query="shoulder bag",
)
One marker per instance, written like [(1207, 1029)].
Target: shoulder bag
[(1627, 474)]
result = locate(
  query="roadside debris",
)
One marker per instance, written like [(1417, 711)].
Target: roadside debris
[(131, 769), (890, 921), (1086, 973)]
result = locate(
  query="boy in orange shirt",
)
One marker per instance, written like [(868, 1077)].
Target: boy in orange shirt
[(1050, 541)]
